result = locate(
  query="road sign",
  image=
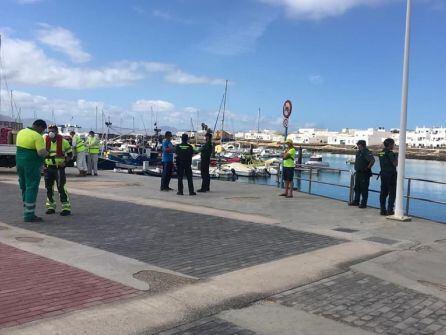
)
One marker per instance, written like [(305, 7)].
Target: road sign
[(287, 108), (285, 122)]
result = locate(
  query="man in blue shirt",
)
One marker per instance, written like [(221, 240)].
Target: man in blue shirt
[(167, 161)]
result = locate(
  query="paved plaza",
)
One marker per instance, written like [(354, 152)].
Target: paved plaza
[(240, 260)]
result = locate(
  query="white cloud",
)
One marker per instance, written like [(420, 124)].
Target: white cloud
[(319, 9), (64, 41), (26, 63), (316, 79), (155, 105)]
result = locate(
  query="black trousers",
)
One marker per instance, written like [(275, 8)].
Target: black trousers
[(185, 170), (167, 175), (362, 182), (205, 176), (54, 174), (388, 189)]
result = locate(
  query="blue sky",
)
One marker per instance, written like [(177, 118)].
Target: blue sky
[(339, 61)]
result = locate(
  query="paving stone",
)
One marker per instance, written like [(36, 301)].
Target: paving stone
[(392, 309), (208, 326), (194, 244)]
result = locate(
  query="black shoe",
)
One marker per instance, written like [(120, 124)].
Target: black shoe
[(354, 203), (192, 193), (201, 190), (65, 213), (50, 211), (34, 219), (96, 174), (383, 212), (390, 212), (180, 193), (169, 189), (362, 206)]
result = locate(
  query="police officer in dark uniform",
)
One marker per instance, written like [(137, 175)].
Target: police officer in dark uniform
[(388, 161), (206, 152), (184, 153), (363, 167)]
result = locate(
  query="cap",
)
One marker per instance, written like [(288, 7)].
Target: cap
[(91, 132), (52, 126), (361, 142), (289, 141), (168, 133), (184, 137)]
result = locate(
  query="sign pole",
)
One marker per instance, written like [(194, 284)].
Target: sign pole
[(399, 207), (286, 111)]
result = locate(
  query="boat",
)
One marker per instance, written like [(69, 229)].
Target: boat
[(240, 169), (316, 161)]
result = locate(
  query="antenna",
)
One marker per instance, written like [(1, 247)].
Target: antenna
[(96, 126)]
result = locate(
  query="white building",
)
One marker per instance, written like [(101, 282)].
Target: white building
[(348, 136), (424, 137)]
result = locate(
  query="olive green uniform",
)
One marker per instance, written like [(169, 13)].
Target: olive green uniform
[(184, 153), (29, 165), (363, 173), (387, 161)]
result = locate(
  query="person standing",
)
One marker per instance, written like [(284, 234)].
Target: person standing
[(184, 153), (288, 168), (80, 151), (388, 161), (363, 167), (29, 160), (167, 161), (93, 148), (59, 153), (206, 153)]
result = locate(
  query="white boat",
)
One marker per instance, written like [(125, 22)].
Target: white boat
[(240, 169), (316, 161)]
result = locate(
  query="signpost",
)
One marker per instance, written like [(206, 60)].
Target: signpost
[(286, 111)]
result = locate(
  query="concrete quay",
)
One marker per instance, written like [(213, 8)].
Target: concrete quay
[(237, 260)]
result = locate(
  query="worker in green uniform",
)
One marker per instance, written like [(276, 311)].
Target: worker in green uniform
[(363, 167), (388, 161), (288, 168), (60, 153), (206, 153), (29, 160), (184, 153)]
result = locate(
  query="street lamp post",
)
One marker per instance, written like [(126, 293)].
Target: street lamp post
[(399, 207)]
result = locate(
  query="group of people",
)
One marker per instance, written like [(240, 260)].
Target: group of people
[(184, 153), (363, 167), (52, 152)]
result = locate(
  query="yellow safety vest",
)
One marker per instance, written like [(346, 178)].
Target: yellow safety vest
[(93, 145), (53, 160), (80, 144)]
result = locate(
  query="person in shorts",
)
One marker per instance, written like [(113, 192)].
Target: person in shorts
[(288, 168)]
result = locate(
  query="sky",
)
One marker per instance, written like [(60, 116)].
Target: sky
[(338, 61)]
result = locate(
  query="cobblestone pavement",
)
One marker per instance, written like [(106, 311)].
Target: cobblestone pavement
[(189, 243), (33, 287), (370, 303), (209, 326)]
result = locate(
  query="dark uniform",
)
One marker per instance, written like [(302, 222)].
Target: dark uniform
[(206, 152), (387, 160), (184, 153), (362, 180)]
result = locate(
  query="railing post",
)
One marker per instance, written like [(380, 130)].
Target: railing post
[(311, 178), (352, 185), (409, 181)]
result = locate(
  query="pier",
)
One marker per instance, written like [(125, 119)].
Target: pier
[(237, 260)]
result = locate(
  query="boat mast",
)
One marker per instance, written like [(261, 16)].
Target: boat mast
[(258, 126), (1, 70), (224, 110)]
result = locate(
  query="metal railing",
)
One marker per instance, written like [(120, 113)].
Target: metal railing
[(305, 169)]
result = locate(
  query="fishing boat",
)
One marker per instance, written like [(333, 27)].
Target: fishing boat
[(316, 162), (240, 169)]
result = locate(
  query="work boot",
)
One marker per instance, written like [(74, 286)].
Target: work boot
[(65, 213), (383, 212), (192, 193), (201, 190), (34, 219), (180, 193), (353, 203), (390, 212), (50, 211), (362, 206)]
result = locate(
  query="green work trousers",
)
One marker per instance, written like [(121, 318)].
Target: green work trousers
[(28, 165)]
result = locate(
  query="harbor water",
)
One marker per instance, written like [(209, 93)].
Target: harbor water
[(422, 169)]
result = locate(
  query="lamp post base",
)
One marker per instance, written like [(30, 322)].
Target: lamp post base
[(399, 218)]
